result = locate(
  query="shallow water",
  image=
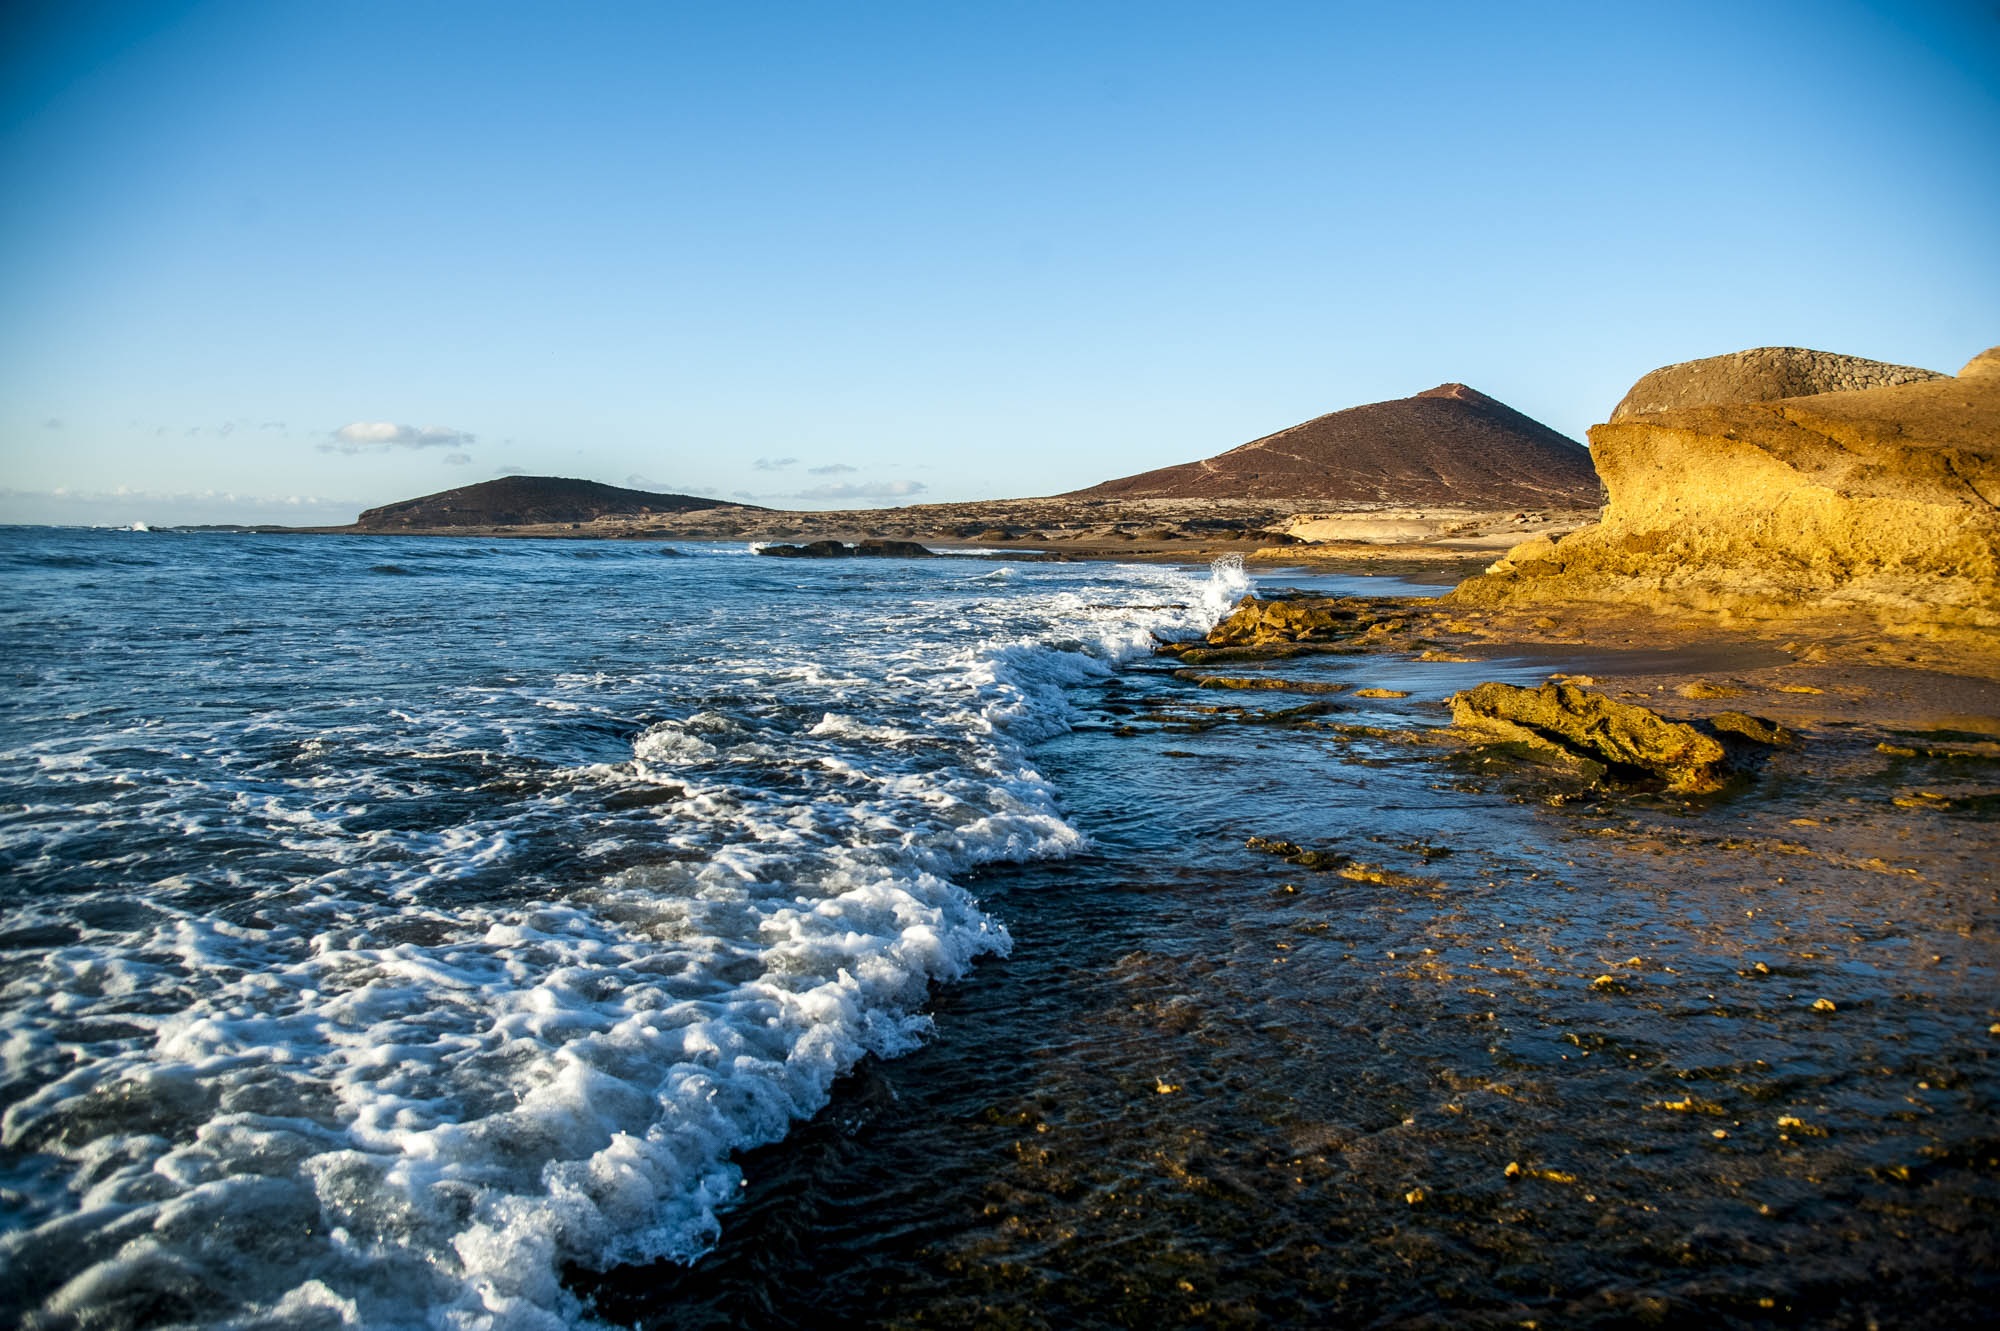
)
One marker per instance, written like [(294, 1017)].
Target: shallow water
[(408, 932), (1563, 1067)]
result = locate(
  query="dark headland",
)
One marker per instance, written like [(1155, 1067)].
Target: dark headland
[(528, 501)]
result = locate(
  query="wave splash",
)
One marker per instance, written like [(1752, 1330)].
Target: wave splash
[(386, 1107)]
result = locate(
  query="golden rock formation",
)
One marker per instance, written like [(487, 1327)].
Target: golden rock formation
[(1881, 501)]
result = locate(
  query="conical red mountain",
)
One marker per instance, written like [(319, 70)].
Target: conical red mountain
[(1450, 446)]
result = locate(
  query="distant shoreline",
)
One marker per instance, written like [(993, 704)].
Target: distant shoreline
[(1462, 541)]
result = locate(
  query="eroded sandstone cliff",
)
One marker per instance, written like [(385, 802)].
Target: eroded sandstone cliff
[(1880, 501)]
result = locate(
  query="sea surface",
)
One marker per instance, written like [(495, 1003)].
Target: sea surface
[(390, 923), (457, 933)]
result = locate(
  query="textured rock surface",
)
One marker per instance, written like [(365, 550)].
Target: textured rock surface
[(1449, 446), (1881, 501), (1576, 723), (1763, 374), (1305, 620)]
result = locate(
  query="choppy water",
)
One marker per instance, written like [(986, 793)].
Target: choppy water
[(390, 923), (463, 934)]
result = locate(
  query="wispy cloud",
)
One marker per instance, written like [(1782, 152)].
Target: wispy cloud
[(457, 459), (774, 464), (510, 471), (832, 469), (864, 490), (380, 436), (637, 481)]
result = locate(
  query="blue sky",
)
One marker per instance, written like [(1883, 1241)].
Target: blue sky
[(269, 260)]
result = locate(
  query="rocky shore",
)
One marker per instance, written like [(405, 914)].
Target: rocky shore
[(1431, 967), (1610, 942), (1725, 1054)]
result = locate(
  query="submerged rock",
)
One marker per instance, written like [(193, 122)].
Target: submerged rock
[(876, 549), (1321, 861), (1572, 723), (1260, 682)]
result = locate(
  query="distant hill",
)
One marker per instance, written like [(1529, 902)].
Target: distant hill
[(1449, 446), (521, 501)]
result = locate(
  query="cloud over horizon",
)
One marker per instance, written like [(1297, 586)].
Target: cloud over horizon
[(65, 505), (380, 436), (864, 490)]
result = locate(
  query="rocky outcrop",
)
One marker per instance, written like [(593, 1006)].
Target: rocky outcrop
[(872, 549), (1255, 622), (1284, 626), (1590, 733), (524, 501), (1763, 374), (1449, 446), (1880, 501)]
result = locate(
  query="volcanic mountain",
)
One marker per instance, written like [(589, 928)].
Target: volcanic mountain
[(520, 501), (1450, 446)]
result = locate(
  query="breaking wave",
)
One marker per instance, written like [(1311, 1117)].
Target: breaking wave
[(381, 1005)]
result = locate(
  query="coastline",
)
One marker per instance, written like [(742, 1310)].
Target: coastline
[(1335, 1016), (1150, 530), (1497, 1049)]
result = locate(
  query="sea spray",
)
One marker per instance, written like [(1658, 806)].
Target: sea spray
[(371, 990)]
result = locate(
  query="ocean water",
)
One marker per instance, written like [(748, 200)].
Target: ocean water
[(392, 924), (458, 933)]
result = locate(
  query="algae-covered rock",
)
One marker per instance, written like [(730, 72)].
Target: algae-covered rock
[(1256, 622), (1756, 729), (1588, 725)]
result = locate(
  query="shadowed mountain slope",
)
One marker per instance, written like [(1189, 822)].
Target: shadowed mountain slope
[(520, 501), (1449, 446)]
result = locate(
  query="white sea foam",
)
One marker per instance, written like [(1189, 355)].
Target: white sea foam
[(399, 1092)]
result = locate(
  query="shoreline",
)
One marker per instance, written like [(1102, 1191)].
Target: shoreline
[(1143, 529), (1341, 1022), (1330, 1014)]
